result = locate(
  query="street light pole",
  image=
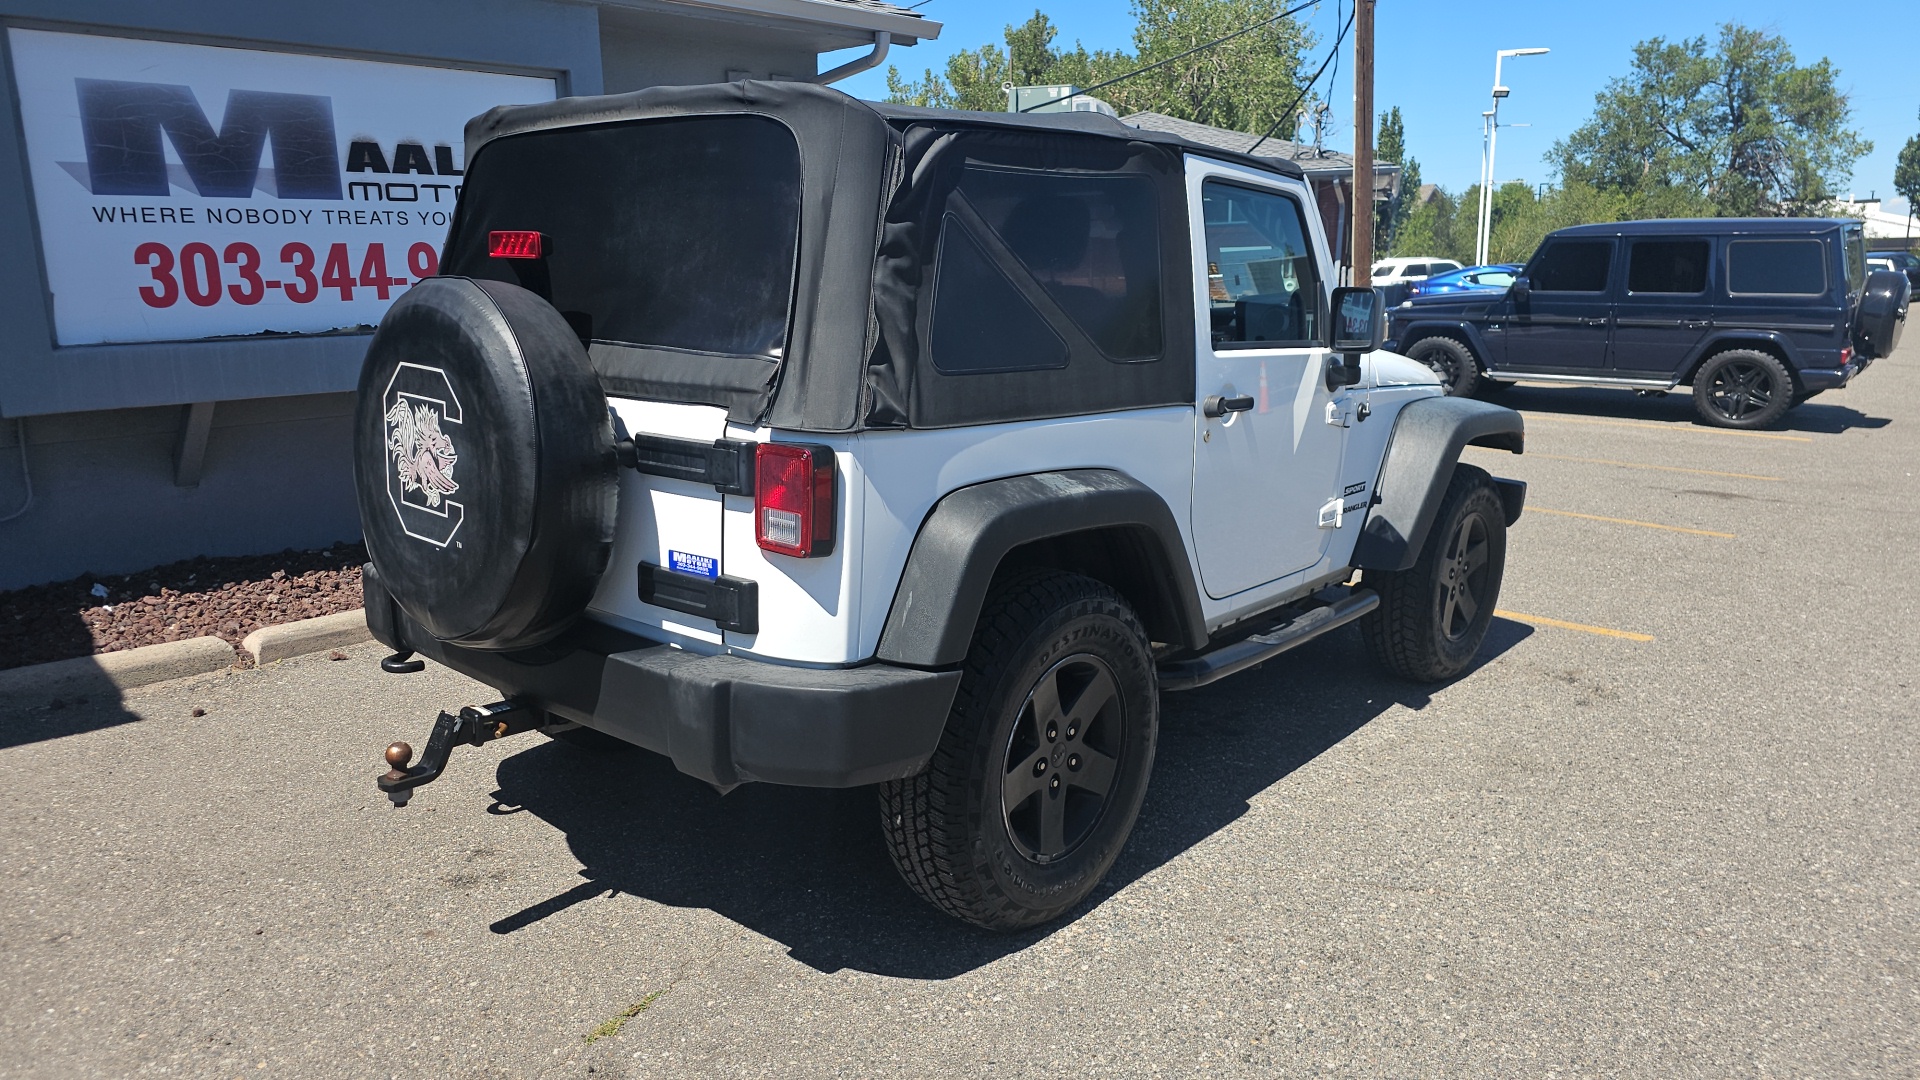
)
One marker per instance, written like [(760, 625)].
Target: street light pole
[(1480, 197), (1485, 235)]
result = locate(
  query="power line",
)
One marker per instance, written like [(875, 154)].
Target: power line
[(1162, 63), (1301, 96)]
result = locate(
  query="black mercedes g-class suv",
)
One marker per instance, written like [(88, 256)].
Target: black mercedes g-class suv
[(1756, 315)]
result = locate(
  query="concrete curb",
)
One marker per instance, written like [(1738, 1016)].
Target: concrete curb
[(271, 643), (122, 670)]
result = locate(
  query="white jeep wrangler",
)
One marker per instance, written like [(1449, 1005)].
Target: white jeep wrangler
[(810, 441)]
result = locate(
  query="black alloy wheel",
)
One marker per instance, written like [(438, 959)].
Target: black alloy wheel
[(1463, 577), (1451, 360), (1061, 758), (1433, 616), (1040, 773), (1742, 388)]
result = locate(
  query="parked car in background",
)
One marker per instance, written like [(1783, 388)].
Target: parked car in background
[(1494, 278), (1401, 270), (1905, 262), (1393, 277), (1756, 315)]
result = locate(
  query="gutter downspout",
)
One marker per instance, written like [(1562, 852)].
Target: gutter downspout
[(882, 41)]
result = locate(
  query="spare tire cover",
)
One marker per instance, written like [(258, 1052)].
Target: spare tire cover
[(483, 455), (1882, 313)]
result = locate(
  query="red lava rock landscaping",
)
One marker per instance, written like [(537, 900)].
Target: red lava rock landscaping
[(228, 598)]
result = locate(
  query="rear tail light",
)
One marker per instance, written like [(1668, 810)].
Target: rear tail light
[(516, 244), (793, 507), (1846, 356)]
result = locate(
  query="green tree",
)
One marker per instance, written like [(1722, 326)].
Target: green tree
[(1441, 226), (1906, 176), (1241, 84), (977, 78), (1390, 147), (1742, 123), (1445, 225)]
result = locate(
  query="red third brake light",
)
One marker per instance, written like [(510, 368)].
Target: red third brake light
[(516, 244), (793, 507)]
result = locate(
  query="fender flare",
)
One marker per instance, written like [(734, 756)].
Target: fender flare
[(1422, 452), (1735, 338), (970, 532), (1447, 328)]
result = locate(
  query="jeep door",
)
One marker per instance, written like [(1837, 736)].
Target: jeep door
[(1561, 323), (1269, 460), (1666, 309)]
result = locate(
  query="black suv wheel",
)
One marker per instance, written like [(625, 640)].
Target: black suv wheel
[(1434, 615), (1449, 359), (1039, 776), (1742, 388)]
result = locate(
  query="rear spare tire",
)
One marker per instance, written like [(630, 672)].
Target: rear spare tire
[(1882, 313), (483, 455)]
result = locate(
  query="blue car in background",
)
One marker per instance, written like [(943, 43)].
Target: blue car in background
[(1493, 278)]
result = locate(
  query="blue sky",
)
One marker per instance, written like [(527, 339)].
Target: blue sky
[(1435, 61)]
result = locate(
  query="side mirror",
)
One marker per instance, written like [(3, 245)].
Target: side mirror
[(1359, 326), (1359, 321), (1522, 288)]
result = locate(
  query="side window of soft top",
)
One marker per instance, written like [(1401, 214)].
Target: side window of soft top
[(1028, 256)]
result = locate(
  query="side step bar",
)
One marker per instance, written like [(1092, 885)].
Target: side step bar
[(1299, 629), (1562, 379)]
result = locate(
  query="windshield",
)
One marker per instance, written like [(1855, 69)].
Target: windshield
[(678, 233)]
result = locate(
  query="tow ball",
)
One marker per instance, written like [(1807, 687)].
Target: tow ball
[(474, 726)]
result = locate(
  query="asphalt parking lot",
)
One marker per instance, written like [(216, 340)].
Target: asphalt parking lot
[(1667, 828)]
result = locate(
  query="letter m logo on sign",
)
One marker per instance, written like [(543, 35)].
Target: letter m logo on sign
[(123, 123)]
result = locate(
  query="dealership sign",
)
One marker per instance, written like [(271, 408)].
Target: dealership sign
[(189, 191)]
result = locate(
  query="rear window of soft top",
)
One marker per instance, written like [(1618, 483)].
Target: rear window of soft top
[(676, 233)]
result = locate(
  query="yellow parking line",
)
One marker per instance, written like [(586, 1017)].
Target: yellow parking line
[(1630, 521), (1542, 620), (1688, 428), (1658, 468)]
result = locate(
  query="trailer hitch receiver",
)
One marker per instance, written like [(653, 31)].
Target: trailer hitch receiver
[(474, 726)]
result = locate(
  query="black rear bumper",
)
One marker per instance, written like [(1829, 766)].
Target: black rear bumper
[(724, 719)]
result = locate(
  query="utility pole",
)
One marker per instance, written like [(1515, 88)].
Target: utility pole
[(1362, 142)]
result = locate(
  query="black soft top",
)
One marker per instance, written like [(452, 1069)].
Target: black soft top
[(796, 102), (872, 179)]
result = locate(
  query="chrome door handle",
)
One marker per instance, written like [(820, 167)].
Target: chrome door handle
[(1217, 406)]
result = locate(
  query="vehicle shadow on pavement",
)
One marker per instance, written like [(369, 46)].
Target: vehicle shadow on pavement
[(807, 867), (71, 708), (1814, 417)]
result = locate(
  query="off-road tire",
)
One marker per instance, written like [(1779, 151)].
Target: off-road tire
[(1742, 388), (1419, 631), (948, 830), (1451, 360)]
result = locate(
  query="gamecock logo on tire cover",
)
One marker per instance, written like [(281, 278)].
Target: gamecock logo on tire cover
[(421, 456)]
